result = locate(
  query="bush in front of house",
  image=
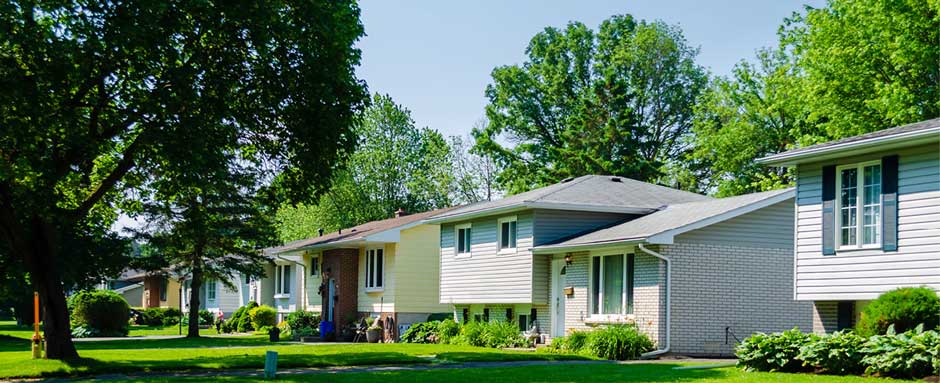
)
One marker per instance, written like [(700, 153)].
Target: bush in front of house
[(99, 313), (239, 321), (262, 317), (774, 352), (303, 323), (206, 318), (422, 332), (159, 316), (905, 308), (495, 334), (614, 342), (838, 353), (911, 354)]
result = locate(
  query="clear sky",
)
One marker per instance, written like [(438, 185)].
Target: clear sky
[(435, 57)]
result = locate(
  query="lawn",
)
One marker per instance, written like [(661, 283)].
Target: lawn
[(595, 373)]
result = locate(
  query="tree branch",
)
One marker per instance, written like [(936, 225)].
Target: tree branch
[(126, 163)]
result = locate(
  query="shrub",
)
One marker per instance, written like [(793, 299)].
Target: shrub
[(837, 353), (471, 334), (159, 316), (171, 316), (262, 316), (572, 343), (773, 352), (501, 334), (285, 330), (206, 318), (423, 332), (912, 354), (447, 331), (905, 308), (303, 323), (244, 323), (103, 312), (618, 342), (231, 324)]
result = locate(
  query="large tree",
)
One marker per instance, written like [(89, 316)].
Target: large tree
[(97, 95), (396, 165), (618, 101)]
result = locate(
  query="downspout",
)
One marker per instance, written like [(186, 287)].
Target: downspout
[(668, 302), (301, 280)]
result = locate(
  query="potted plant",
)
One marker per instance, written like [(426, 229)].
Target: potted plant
[(374, 331)]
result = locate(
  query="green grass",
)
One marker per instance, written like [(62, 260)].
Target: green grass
[(595, 373)]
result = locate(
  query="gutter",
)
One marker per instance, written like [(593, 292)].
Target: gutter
[(668, 302), (788, 159)]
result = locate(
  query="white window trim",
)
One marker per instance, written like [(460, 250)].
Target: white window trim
[(279, 281), (457, 228), (315, 271), (499, 235), (623, 317), (377, 288), (859, 208)]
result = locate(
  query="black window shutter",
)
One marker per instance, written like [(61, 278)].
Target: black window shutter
[(889, 203), (828, 210)]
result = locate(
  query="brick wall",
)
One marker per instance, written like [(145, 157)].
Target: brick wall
[(342, 265), (825, 316), (743, 289)]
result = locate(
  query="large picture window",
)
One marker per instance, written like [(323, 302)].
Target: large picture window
[(507, 234), (375, 268), (859, 205), (612, 284), (464, 238), (282, 280)]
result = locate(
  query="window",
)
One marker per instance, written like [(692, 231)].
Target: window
[(375, 260), (164, 285), (507, 233), (282, 280), (612, 284), (210, 290), (314, 266), (464, 239), (859, 205)]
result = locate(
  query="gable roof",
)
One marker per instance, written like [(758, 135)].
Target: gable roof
[(911, 134), (364, 232), (586, 193), (662, 226)]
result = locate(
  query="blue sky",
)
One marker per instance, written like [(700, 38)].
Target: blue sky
[(435, 57)]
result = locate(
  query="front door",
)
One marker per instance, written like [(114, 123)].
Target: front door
[(558, 296)]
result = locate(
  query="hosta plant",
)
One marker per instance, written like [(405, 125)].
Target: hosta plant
[(912, 354), (837, 353), (774, 352)]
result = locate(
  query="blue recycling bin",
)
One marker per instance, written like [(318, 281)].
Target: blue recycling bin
[(326, 329)]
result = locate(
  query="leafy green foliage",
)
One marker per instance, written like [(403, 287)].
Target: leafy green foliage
[(447, 331), (618, 342), (773, 352), (905, 308), (262, 316), (159, 316), (303, 323), (494, 334), (615, 101), (837, 353), (422, 332), (240, 316), (912, 354), (103, 312)]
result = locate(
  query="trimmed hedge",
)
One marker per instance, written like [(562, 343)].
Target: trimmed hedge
[(239, 321), (159, 316), (99, 313), (495, 334), (262, 316), (905, 308)]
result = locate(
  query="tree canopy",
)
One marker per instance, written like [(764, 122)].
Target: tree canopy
[(616, 101), (99, 96)]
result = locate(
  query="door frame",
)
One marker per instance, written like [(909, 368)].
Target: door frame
[(558, 298)]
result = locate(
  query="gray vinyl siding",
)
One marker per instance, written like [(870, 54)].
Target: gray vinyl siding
[(770, 227), (552, 225), (487, 276), (864, 274)]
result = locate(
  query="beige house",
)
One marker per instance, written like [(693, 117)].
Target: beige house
[(386, 269)]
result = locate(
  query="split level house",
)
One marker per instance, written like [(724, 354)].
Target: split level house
[(867, 219), (693, 272), (385, 269), (143, 289)]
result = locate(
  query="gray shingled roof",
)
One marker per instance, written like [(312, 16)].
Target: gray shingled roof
[(587, 192), (673, 217), (356, 232), (884, 133)]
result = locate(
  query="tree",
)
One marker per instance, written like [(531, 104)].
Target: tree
[(474, 174), (395, 166), (211, 226), (615, 102), (100, 94), (869, 65)]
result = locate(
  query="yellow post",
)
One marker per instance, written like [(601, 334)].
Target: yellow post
[(37, 339)]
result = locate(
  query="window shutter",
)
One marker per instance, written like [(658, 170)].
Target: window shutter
[(889, 202), (828, 210)]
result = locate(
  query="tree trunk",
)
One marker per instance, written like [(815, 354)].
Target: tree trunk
[(192, 331), (46, 279)]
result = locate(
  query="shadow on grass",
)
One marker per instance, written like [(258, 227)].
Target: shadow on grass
[(233, 341), (460, 357), (91, 366), (10, 343)]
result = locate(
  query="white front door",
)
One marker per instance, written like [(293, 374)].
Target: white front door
[(558, 296)]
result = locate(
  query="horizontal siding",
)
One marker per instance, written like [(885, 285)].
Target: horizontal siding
[(417, 271), (865, 274), (770, 227), (552, 225), (487, 276)]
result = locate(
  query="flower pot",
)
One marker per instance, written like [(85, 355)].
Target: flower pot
[(373, 335)]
